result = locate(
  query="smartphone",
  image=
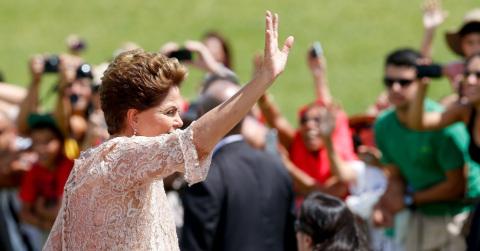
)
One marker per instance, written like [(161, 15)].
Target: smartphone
[(181, 55), (429, 71), (317, 50)]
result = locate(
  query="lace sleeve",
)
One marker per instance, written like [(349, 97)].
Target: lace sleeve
[(137, 160)]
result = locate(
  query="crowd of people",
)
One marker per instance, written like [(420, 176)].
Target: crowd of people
[(123, 161)]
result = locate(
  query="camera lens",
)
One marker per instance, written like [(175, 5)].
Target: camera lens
[(73, 98), (84, 71)]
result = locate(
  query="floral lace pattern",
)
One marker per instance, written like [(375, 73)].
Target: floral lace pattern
[(115, 200)]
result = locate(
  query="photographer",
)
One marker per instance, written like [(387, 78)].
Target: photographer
[(464, 42), (467, 112), (425, 170), (74, 100)]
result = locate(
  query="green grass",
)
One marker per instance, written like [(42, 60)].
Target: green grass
[(355, 35)]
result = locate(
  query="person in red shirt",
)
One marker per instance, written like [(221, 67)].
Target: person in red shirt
[(321, 145), (42, 187)]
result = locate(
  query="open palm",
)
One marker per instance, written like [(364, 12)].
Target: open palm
[(274, 59)]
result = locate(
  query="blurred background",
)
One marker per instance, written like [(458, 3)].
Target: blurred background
[(355, 36)]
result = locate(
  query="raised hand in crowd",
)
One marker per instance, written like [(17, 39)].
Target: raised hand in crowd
[(30, 103), (433, 16), (318, 67), (273, 64)]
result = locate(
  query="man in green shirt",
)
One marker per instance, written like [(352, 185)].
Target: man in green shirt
[(425, 170)]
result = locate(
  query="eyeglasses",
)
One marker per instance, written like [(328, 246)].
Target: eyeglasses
[(389, 82), (469, 73)]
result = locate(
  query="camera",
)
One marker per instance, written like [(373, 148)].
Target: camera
[(51, 64), (317, 50), (84, 71), (429, 71), (181, 54)]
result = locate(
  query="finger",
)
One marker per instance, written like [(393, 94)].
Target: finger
[(275, 25), (268, 33), (288, 44)]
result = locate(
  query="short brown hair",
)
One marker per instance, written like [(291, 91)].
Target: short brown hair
[(139, 80)]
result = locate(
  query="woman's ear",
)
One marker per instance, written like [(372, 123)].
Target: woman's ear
[(132, 120)]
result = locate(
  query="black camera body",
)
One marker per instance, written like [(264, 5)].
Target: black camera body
[(51, 64), (429, 71), (181, 54)]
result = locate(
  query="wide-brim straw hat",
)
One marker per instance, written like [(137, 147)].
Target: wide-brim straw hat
[(453, 37)]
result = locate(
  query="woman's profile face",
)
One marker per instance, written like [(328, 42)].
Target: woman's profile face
[(163, 118), (471, 88)]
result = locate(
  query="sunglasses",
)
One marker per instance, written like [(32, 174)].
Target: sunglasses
[(389, 82), (469, 73)]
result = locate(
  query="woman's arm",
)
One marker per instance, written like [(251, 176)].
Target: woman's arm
[(12, 94), (212, 126), (419, 120), (187, 151), (318, 67), (275, 119), (331, 123), (206, 61)]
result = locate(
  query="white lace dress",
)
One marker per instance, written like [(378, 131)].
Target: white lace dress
[(115, 200)]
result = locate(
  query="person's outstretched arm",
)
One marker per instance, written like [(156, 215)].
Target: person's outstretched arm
[(276, 120), (318, 68), (12, 94), (212, 126), (418, 119), (31, 101), (433, 16)]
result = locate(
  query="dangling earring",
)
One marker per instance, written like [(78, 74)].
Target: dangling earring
[(135, 131)]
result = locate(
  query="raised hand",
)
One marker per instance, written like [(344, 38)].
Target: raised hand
[(327, 124), (274, 59), (169, 47), (36, 66), (205, 61), (433, 15), (317, 64)]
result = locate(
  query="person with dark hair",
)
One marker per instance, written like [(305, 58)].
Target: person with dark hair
[(115, 197), (322, 140), (41, 190), (425, 170), (245, 188), (73, 104), (466, 112), (464, 42), (218, 45), (326, 224)]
